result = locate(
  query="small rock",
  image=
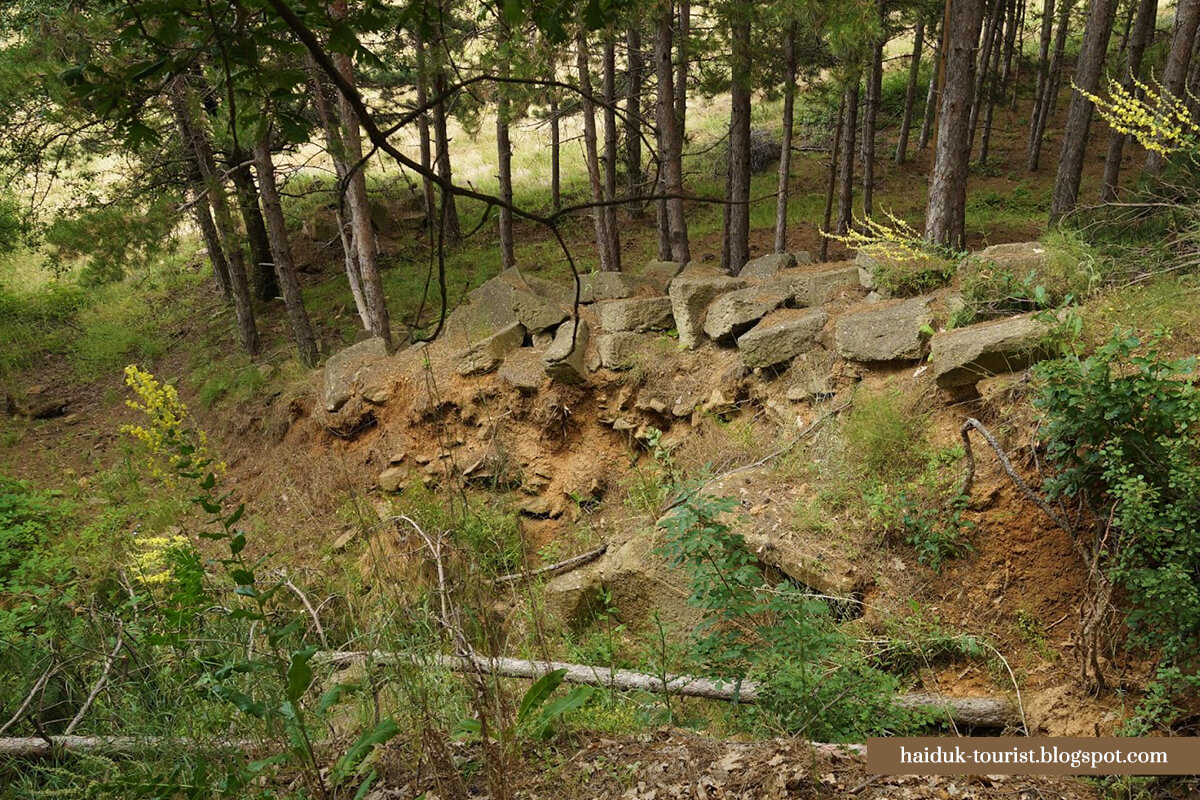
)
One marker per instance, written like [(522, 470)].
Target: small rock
[(718, 404), (342, 370), (397, 457), (391, 479), (522, 369), (564, 361)]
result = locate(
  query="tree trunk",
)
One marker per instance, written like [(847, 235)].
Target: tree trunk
[(609, 88), (281, 253), (1174, 79), (910, 91), (931, 97), (1041, 84), (633, 119), (504, 155), (262, 276), (357, 200), (1013, 73), (870, 115), (425, 144), (1050, 97), (1016, 20), (945, 217), (1079, 113), (333, 139), (846, 170), (222, 217), (785, 151), (831, 183), (202, 205), (672, 222), (452, 229), (1147, 10), (991, 35), (591, 155), (683, 44), (735, 246), (555, 142), (991, 89)]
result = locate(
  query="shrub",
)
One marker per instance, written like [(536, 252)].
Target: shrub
[(1121, 429), (886, 435)]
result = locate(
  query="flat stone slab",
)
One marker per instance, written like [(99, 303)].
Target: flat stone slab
[(736, 312), (342, 378), (597, 287), (965, 356), (622, 350), (484, 356), (893, 333), (658, 274), (767, 266), (636, 314), (562, 361), (522, 369), (690, 298), (781, 336), (815, 288), (510, 296)]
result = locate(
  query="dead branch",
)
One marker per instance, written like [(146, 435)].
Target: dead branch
[(99, 685), (37, 687), (969, 478), (566, 565)]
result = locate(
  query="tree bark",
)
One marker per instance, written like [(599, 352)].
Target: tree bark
[(831, 183), (202, 206), (785, 151), (945, 217), (633, 115), (504, 155), (1079, 113), (555, 142), (1050, 97), (611, 155), (910, 91), (1016, 20), (991, 34), (591, 154), (1041, 84), (333, 140), (453, 229), (222, 217), (735, 246), (1174, 79), (846, 169), (991, 90), (262, 276), (281, 252), (931, 96), (870, 115), (1147, 10), (683, 44), (424, 137), (358, 202), (672, 229)]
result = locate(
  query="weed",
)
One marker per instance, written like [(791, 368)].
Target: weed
[(936, 535)]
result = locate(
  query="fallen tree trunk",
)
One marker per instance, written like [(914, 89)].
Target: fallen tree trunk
[(43, 747), (990, 712)]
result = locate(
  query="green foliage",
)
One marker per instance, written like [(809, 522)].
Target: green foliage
[(113, 239), (1120, 427), (886, 434), (34, 323), (937, 535), (536, 715), (817, 679)]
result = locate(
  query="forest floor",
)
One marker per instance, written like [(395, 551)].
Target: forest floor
[(310, 489)]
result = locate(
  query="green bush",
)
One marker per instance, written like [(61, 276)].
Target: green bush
[(113, 240), (886, 435), (817, 680), (1121, 429)]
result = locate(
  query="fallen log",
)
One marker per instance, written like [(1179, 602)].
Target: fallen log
[(43, 747), (983, 712)]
